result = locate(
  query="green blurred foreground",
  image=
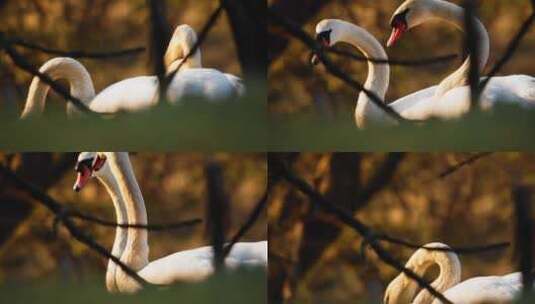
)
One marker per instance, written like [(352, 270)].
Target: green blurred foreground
[(243, 126), (507, 128), (244, 286), (234, 126)]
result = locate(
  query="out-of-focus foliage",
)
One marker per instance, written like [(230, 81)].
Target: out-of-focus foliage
[(173, 186), (471, 207), (295, 87)]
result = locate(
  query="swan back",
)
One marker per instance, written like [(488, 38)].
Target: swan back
[(489, 289), (209, 84), (129, 95), (59, 68), (197, 264)]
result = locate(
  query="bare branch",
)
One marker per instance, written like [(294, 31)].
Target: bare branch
[(511, 48), (460, 250), (76, 53), (449, 171), (150, 227), (390, 61)]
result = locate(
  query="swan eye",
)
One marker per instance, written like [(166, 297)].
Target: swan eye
[(98, 163), (400, 20), (87, 163), (324, 38)]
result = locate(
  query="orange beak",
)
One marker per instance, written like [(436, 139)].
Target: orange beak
[(83, 176)]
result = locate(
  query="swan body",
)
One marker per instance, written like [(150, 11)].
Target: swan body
[(487, 289), (332, 31), (138, 93), (115, 172), (208, 84), (484, 289), (452, 96)]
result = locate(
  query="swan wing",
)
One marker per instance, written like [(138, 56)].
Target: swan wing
[(237, 82), (514, 88), (202, 83), (517, 89), (132, 94), (196, 264), (417, 106), (404, 103)]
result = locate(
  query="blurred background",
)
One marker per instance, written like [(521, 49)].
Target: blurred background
[(174, 189), (296, 87), (314, 258)]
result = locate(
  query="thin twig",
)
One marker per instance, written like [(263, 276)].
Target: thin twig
[(449, 171), (511, 48), (150, 227), (76, 53), (390, 61), (253, 217), (460, 250)]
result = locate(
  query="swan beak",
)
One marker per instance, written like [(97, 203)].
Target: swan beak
[(83, 176), (397, 32)]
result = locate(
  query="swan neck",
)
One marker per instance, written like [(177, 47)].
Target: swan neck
[(136, 250), (77, 77), (449, 272), (179, 47), (119, 242), (454, 14), (378, 77)]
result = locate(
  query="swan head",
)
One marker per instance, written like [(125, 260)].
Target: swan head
[(409, 14), (328, 33), (400, 291), (181, 43), (88, 165)]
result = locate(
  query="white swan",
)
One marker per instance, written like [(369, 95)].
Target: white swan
[(115, 172), (137, 93), (451, 98), (332, 31), (488, 289)]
